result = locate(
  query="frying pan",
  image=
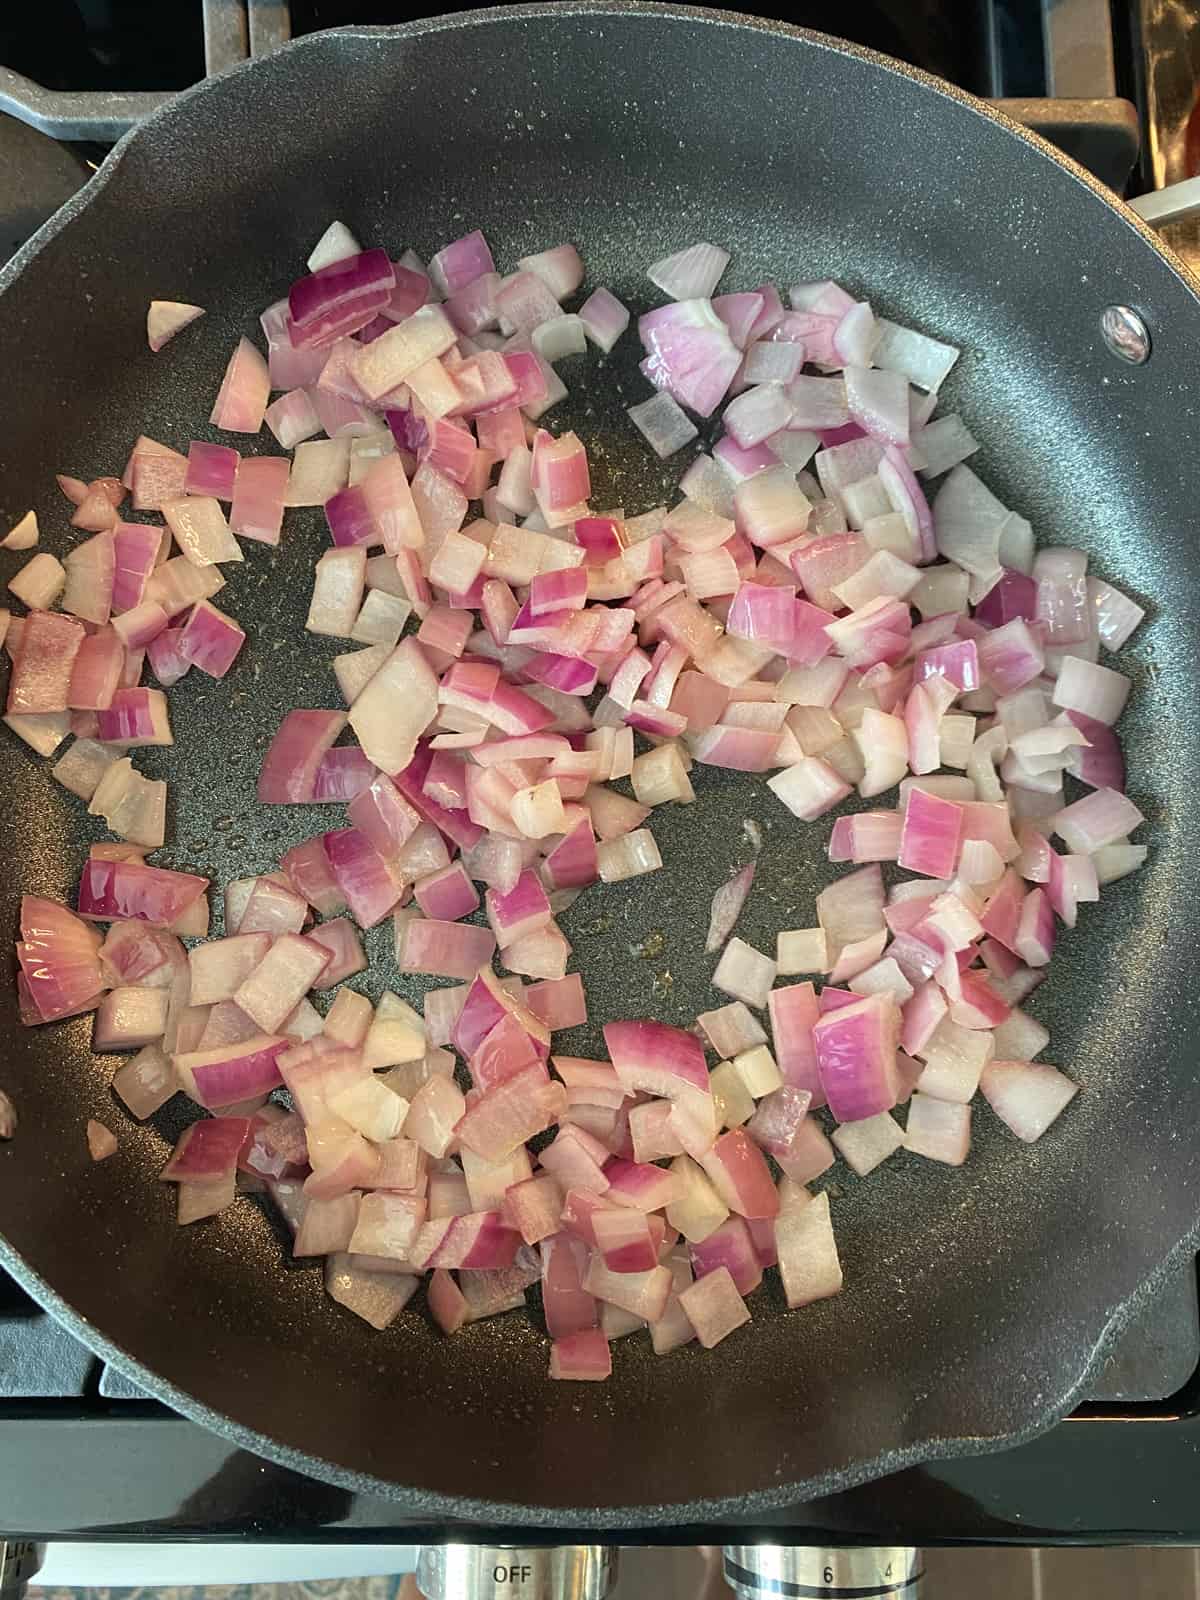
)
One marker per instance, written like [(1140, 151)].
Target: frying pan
[(977, 1300)]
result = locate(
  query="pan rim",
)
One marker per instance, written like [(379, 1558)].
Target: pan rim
[(436, 1505)]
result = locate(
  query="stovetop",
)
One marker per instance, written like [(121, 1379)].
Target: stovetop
[(83, 1453)]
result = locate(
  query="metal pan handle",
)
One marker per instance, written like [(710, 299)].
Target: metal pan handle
[(234, 30), (1101, 132), (1172, 204)]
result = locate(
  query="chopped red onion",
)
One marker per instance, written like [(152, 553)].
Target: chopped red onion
[(339, 298), (690, 273), (207, 1151), (808, 1256), (369, 885), (166, 318), (481, 742), (604, 319), (940, 1130), (1100, 818), (241, 402), (210, 640)]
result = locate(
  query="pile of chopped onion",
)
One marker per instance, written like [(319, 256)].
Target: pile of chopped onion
[(806, 611)]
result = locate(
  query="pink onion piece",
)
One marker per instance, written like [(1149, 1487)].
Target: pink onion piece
[(210, 640), (1012, 595), (689, 348), (135, 718), (232, 1073), (477, 1240), (931, 835), (343, 774), (584, 1356), (339, 299), (369, 885), (259, 498), (856, 1057), (738, 1172), (346, 956), (604, 318), (447, 949), (569, 1308), (207, 1151), (41, 673), (730, 1246), (59, 959), (289, 770), (212, 470), (241, 402), (129, 891)]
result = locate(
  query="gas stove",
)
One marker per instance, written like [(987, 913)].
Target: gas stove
[(83, 1453)]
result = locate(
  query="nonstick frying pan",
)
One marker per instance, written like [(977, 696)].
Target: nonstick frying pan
[(977, 1300)]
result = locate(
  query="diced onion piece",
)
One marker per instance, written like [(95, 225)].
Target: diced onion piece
[(604, 319), (166, 318), (101, 1141), (584, 1356), (808, 1256), (23, 535), (39, 582), (864, 1145), (1100, 818), (809, 788), (744, 973), (1027, 1096), (662, 424), (800, 950), (1114, 614), (241, 402), (692, 273), (628, 856), (939, 1130), (714, 1307)]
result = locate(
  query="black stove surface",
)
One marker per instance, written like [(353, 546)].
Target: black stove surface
[(146, 44), (84, 1453)]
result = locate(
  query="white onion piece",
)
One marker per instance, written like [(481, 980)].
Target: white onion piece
[(629, 856), (40, 581), (166, 318), (662, 424), (939, 1130), (944, 442), (744, 973), (800, 950), (967, 520), (1027, 1096), (22, 535), (1117, 860), (865, 1145), (924, 361), (689, 274), (561, 336), (337, 243), (1096, 691), (808, 1256)]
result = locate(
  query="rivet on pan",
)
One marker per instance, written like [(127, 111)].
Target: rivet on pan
[(1125, 334)]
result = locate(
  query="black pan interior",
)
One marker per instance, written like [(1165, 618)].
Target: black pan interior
[(975, 1298)]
